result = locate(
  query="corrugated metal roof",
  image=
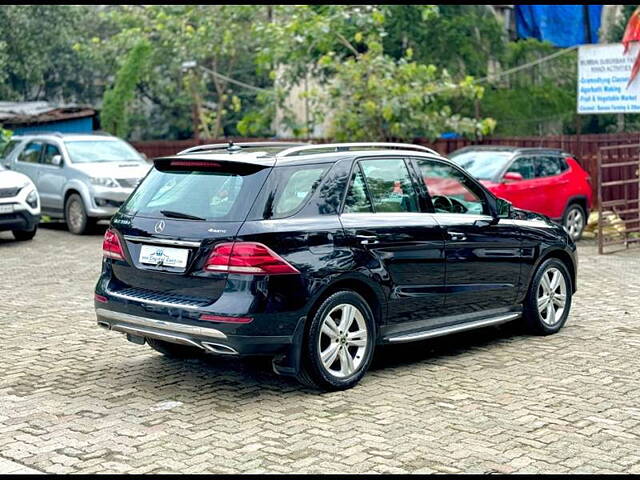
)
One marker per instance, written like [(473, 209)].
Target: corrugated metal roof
[(41, 112)]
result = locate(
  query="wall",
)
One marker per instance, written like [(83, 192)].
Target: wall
[(75, 125)]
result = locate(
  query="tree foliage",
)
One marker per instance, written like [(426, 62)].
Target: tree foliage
[(389, 71), (114, 116), (37, 59)]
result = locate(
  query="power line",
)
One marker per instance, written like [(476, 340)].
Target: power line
[(514, 69), (526, 65), (237, 82)]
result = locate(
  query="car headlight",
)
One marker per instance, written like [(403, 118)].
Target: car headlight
[(32, 199), (105, 182)]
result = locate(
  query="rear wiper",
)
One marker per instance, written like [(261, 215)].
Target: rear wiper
[(170, 213)]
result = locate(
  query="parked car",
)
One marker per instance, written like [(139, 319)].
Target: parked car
[(19, 205), (315, 254), (81, 178), (550, 182)]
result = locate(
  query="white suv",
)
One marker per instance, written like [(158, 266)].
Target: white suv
[(80, 178), (19, 205)]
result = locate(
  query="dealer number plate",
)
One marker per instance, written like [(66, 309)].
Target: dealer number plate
[(164, 256)]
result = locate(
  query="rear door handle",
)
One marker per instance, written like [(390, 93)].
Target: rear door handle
[(457, 236), (367, 239)]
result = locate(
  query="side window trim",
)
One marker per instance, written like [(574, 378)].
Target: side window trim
[(356, 167), (423, 192), (367, 191)]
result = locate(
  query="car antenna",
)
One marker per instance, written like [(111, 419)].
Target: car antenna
[(233, 148)]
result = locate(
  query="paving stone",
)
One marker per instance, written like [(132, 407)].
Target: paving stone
[(77, 399)]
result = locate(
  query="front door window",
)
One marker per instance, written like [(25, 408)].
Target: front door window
[(450, 190)]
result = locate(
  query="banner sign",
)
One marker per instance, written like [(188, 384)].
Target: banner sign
[(604, 73)]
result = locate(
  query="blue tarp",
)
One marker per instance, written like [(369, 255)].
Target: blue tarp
[(562, 25)]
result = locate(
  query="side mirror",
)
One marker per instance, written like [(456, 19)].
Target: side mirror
[(512, 177), (56, 160), (503, 207)]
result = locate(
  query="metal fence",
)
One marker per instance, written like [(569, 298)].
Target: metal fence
[(618, 188), (584, 147)]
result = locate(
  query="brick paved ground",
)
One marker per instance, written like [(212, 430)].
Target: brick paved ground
[(74, 398)]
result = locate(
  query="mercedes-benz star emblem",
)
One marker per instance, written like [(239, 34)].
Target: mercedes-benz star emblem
[(159, 226)]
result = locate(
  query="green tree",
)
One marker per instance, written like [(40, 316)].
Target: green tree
[(37, 59), (171, 101), (114, 116), (367, 93)]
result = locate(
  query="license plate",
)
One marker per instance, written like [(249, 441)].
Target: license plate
[(6, 208), (164, 256)]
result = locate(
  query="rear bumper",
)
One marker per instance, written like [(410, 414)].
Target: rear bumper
[(212, 340)]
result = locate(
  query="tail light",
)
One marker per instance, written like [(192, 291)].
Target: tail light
[(248, 258), (111, 247)]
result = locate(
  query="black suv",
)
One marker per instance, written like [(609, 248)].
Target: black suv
[(315, 254)]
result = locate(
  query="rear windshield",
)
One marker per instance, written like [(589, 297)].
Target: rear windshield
[(204, 194)]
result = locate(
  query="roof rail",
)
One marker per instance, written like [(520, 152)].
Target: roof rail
[(341, 147), (230, 146)]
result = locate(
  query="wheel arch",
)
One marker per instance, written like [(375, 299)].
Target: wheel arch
[(78, 188), (565, 258), (289, 363), (361, 285), (580, 200)]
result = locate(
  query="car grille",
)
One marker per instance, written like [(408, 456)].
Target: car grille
[(9, 192), (128, 182), (144, 295)]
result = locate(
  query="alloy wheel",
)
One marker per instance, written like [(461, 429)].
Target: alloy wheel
[(575, 222), (75, 214), (552, 296), (343, 340)]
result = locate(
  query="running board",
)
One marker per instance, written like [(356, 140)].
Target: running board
[(438, 332)]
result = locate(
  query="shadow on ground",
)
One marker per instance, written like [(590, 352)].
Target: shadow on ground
[(207, 373)]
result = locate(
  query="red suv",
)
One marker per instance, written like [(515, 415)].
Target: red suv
[(545, 181)]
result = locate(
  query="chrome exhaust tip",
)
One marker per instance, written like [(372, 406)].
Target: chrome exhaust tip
[(219, 348)]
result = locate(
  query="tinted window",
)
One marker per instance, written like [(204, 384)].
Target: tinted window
[(31, 152), (298, 183), (211, 193), (524, 166), (547, 166), (390, 186), (450, 190), (357, 200), (485, 165), (49, 152), (89, 151)]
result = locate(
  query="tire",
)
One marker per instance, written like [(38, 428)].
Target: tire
[(538, 318), (75, 215), (23, 235), (173, 350), (352, 353), (574, 220)]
